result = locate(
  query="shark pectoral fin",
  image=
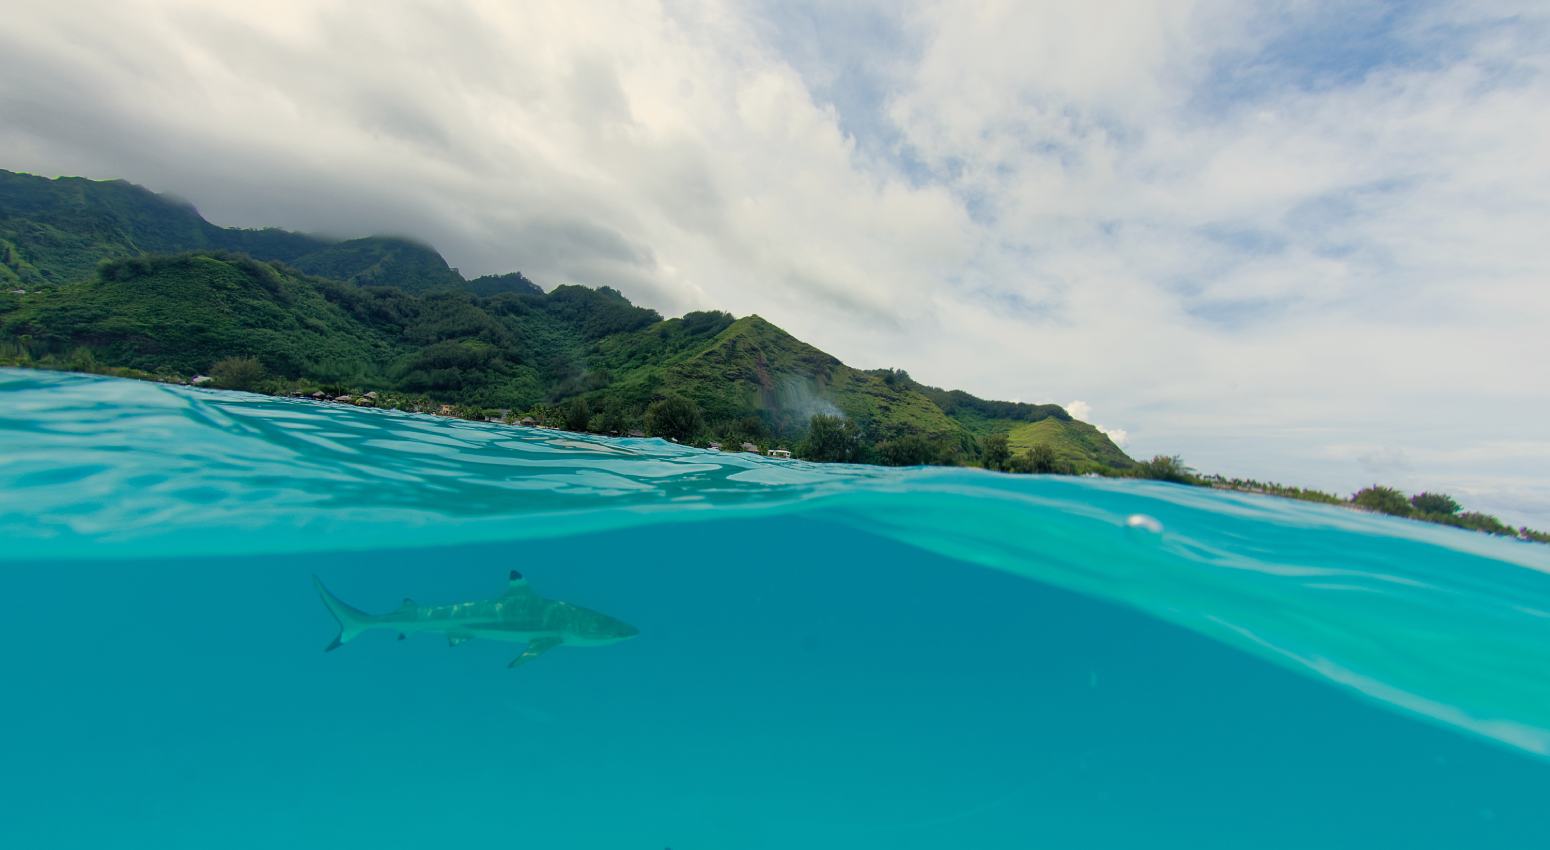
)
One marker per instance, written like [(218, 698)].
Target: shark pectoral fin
[(535, 648)]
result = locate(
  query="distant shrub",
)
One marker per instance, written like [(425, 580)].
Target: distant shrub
[(83, 360), (238, 373), (908, 450), (1166, 468), (995, 453), (616, 419), (674, 417), (578, 415), (1526, 533), (1385, 500), (14, 353), (753, 428), (833, 439), (1435, 503), (1040, 460), (1482, 522)]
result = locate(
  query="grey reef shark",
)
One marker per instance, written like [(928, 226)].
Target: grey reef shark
[(519, 616)]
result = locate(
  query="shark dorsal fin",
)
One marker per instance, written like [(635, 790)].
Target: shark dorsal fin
[(516, 585)]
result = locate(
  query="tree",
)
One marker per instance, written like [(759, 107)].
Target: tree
[(908, 450), (1435, 503), (1166, 468), (1482, 522), (238, 373), (82, 360), (1385, 500), (577, 414), (1039, 460), (674, 417), (753, 428), (833, 439), (1042, 460), (615, 419), (995, 452)]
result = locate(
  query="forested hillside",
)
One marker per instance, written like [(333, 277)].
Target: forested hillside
[(108, 276)]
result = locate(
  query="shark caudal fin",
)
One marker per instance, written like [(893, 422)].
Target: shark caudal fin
[(352, 621)]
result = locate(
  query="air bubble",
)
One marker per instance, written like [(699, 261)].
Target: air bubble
[(1144, 523)]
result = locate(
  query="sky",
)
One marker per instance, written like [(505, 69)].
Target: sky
[(1295, 241)]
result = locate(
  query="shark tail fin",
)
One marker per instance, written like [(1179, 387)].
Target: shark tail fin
[(352, 621)]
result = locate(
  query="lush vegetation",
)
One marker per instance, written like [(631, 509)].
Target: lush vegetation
[(114, 278), (500, 284), (1434, 507), (57, 231), (381, 261), (1428, 507), (108, 277), (833, 439), (238, 373)]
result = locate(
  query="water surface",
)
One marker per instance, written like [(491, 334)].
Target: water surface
[(829, 656)]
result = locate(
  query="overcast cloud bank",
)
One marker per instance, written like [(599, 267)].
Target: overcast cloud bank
[(1287, 240)]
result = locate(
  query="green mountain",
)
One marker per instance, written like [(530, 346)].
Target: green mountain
[(379, 261), (55, 231), (115, 276), (498, 284), (751, 367)]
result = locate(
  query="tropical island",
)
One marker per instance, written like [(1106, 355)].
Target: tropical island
[(111, 278)]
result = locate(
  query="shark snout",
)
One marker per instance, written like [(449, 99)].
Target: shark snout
[(603, 629)]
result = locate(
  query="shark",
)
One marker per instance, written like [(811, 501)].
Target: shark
[(519, 615)]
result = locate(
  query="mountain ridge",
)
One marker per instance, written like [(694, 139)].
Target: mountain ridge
[(125, 278)]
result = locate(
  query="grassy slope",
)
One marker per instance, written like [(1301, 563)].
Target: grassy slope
[(1075, 442), (1027, 425), (982, 416)]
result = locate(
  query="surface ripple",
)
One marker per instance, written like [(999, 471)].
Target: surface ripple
[(1442, 623)]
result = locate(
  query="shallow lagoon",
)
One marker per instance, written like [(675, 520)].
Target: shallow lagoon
[(828, 657)]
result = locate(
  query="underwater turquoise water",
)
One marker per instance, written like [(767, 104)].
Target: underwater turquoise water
[(828, 657)]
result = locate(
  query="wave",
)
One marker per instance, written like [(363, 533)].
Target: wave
[(1445, 624)]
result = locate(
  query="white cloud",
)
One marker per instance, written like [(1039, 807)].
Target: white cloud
[(1247, 231), (1084, 411)]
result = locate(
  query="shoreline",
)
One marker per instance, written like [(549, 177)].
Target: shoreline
[(1177, 473)]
